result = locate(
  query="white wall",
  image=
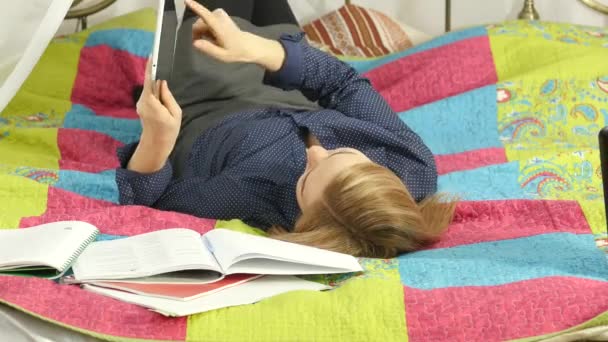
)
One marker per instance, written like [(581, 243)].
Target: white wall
[(427, 15)]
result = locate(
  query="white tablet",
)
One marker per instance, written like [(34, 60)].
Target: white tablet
[(164, 41)]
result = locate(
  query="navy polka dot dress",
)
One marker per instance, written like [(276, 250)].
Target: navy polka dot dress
[(247, 165)]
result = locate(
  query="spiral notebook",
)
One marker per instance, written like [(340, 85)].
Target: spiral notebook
[(47, 250)]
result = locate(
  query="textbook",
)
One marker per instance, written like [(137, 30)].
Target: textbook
[(183, 256)]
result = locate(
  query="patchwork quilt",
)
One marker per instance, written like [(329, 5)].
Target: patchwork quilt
[(511, 112)]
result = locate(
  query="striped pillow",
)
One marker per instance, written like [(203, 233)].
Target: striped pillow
[(356, 31)]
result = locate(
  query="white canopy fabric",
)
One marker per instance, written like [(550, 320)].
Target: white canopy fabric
[(26, 28)]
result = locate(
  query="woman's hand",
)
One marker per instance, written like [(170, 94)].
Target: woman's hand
[(161, 121), (217, 35)]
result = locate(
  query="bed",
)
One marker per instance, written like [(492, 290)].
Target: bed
[(511, 112)]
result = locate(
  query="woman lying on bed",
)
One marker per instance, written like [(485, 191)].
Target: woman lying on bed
[(326, 164)]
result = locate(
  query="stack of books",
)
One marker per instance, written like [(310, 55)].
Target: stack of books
[(175, 272)]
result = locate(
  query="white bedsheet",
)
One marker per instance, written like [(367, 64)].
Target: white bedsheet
[(16, 326)]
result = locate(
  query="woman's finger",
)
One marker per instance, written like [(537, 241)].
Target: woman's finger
[(152, 105), (203, 13), (169, 101), (148, 68), (211, 50), (147, 105), (200, 29), (220, 14), (156, 89), (147, 81)]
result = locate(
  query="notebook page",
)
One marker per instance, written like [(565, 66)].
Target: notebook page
[(245, 253), (144, 255), (246, 293), (52, 244)]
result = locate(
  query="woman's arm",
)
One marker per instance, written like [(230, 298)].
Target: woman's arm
[(217, 35), (331, 82), (160, 117), (225, 196), (291, 64), (145, 173)]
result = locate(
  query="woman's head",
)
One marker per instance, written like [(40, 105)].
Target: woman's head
[(358, 207)]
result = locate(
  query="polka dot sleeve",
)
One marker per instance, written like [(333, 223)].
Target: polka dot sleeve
[(223, 197), (335, 84), (136, 188)]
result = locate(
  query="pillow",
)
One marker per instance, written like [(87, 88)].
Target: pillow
[(356, 31), (415, 36)]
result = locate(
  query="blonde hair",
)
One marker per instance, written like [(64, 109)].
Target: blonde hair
[(367, 211)]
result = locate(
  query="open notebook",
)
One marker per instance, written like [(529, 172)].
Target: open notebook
[(178, 256), (47, 250)]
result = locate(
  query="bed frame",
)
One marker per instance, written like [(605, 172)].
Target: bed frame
[(596, 5), (529, 12), (82, 13)]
